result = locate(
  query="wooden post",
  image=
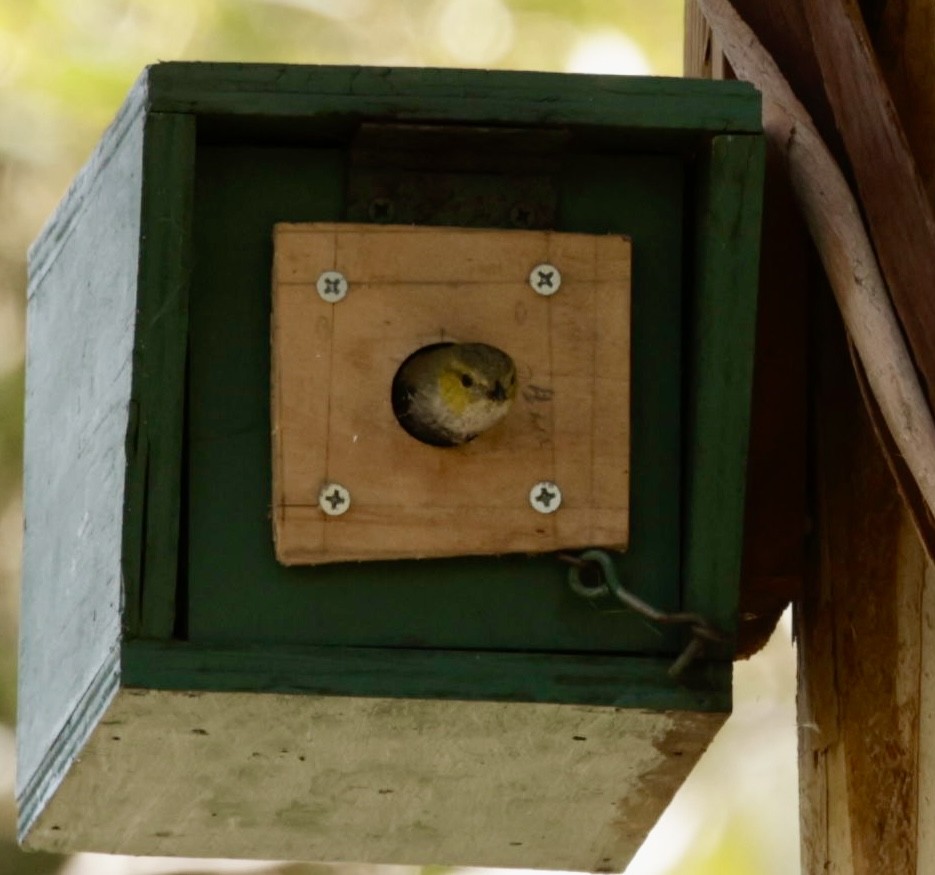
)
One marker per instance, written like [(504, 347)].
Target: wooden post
[(866, 632), (866, 620), (867, 623)]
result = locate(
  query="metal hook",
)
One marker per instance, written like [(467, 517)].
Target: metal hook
[(609, 582)]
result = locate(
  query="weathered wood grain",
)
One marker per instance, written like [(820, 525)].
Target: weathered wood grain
[(783, 29), (894, 201), (373, 780), (702, 56), (333, 365), (864, 627), (865, 643), (61, 224), (846, 251), (80, 331), (35, 790), (903, 33), (870, 771)]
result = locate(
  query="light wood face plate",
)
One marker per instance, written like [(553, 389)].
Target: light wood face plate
[(333, 365)]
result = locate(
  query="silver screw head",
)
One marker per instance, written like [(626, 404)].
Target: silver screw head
[(334, 499), (332, 286), (545, 497), (545, 279)]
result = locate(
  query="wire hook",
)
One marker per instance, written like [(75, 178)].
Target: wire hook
[(609, 583)]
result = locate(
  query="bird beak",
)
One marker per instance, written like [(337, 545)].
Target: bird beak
[(498, 393)]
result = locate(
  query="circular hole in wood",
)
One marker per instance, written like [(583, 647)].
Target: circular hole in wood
[(446, 394)]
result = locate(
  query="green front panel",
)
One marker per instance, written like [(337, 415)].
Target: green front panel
[(236, 591)]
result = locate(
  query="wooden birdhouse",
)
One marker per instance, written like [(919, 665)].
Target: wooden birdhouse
[(259, 617)]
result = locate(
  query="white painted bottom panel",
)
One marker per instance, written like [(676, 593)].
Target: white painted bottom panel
[(420, 782)]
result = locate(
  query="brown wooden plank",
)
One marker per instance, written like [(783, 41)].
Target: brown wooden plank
[(864, 627), (866, 617), (82, 318), (903, 33), (696, 55), (863, 643), (901, 219), (784, 31), (333, 364), (702, 59)]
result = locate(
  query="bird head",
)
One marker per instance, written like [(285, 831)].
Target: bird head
[(446, 394), (476, 374)]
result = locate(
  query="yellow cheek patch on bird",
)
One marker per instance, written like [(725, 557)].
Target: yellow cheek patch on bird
[(453, 391)]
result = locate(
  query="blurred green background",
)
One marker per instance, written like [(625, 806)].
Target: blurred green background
[(65, 66)]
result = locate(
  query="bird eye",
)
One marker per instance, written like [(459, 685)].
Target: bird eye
[(467, 381)]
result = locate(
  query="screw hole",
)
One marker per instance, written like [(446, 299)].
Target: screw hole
[(381, 209)]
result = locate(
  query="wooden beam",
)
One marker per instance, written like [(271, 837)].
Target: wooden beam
[(903, 33), (835, 221), (899, 213), (866, 620), (866, 753), (783, 30), (865, 634)]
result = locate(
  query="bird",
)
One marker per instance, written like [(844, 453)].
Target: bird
[(446, 394)]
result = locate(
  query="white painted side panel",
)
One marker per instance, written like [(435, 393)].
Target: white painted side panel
[(80, 329)]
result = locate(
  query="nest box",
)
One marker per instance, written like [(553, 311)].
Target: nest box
[(259, 618)]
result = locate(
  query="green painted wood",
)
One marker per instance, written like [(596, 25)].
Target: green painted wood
[(154, 478), (729, 182), (643, 196), (238, 592), (81, 313), (490, 97), (428, 674)]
